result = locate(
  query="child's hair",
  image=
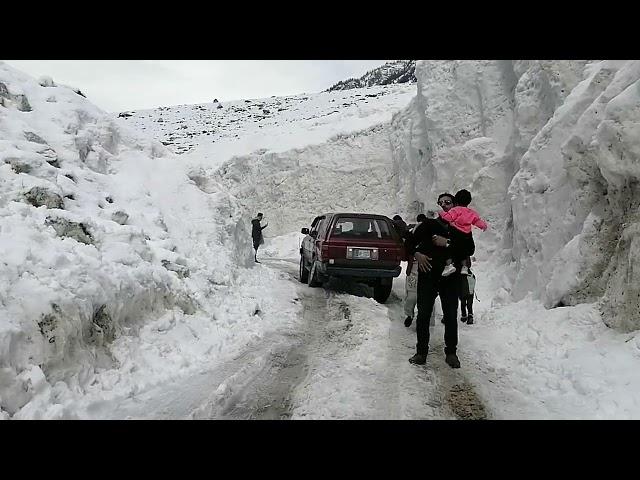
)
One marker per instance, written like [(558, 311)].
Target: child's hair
[(463, 197)]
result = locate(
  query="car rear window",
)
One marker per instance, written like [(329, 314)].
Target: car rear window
[(372, 228)]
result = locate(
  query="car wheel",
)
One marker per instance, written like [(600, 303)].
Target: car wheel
[(313, 277), (381, 292), (303, 275)]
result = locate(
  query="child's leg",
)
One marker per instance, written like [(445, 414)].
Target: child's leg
[(410, 303), (462, 244), (469, 302)]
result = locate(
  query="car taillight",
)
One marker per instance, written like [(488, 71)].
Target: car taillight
[(325, 251)]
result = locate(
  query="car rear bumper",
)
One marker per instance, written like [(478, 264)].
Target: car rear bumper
[(359, 272)]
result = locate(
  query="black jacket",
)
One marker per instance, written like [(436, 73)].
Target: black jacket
[(256, 229), (401, 227), (420, 241)]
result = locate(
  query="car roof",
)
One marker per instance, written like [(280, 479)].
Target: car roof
[(358, 215)]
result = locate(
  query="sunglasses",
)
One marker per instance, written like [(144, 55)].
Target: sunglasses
[(445, 202)]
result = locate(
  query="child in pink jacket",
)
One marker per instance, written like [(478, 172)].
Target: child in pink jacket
[(461, 218)]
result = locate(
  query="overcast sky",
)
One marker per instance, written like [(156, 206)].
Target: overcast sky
[(117, 85)]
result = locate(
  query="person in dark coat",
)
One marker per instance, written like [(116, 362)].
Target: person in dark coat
[(400, 226), (411, 283), (430, 243), (256, 234)]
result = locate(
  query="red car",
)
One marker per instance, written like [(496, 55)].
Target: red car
[(361, 246)]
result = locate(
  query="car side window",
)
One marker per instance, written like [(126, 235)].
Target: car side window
[(317, 223), (324, 223)]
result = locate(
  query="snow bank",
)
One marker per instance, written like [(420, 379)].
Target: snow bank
[(575, 198), (535, 363), (347, 173), (101, 233), (549, 151)]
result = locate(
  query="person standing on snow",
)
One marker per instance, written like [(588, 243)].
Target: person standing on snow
[(256, 234), (430, 245), (400, 225), (446, 202), (411, 283)]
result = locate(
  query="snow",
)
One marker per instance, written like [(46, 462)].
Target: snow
[(143, 309), (109, 318), (535, 363), (212, 135), (283, 246)]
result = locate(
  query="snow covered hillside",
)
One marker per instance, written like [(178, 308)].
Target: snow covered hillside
[(308, 154), (113, 259), (218, 131)]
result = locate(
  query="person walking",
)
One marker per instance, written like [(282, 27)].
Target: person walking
[(411, 284), (429, 243), (256, 234)]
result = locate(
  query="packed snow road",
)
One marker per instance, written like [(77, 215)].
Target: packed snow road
[(345, 359)]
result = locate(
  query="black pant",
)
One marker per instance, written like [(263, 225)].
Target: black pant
[(466, 303), (430, 286)]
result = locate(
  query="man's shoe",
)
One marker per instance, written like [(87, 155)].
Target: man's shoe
[(470, 320), (418, 359), (464, 270), (463, 319), (452, 360), (408, 321)]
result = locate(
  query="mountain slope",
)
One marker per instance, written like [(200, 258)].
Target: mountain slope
[(398, 71), (218, 131)]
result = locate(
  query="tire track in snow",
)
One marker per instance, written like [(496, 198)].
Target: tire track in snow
[(398, 389), (347, 358), (267, 393), (344, 380)]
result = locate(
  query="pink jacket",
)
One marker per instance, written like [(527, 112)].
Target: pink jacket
[(462, 218)]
